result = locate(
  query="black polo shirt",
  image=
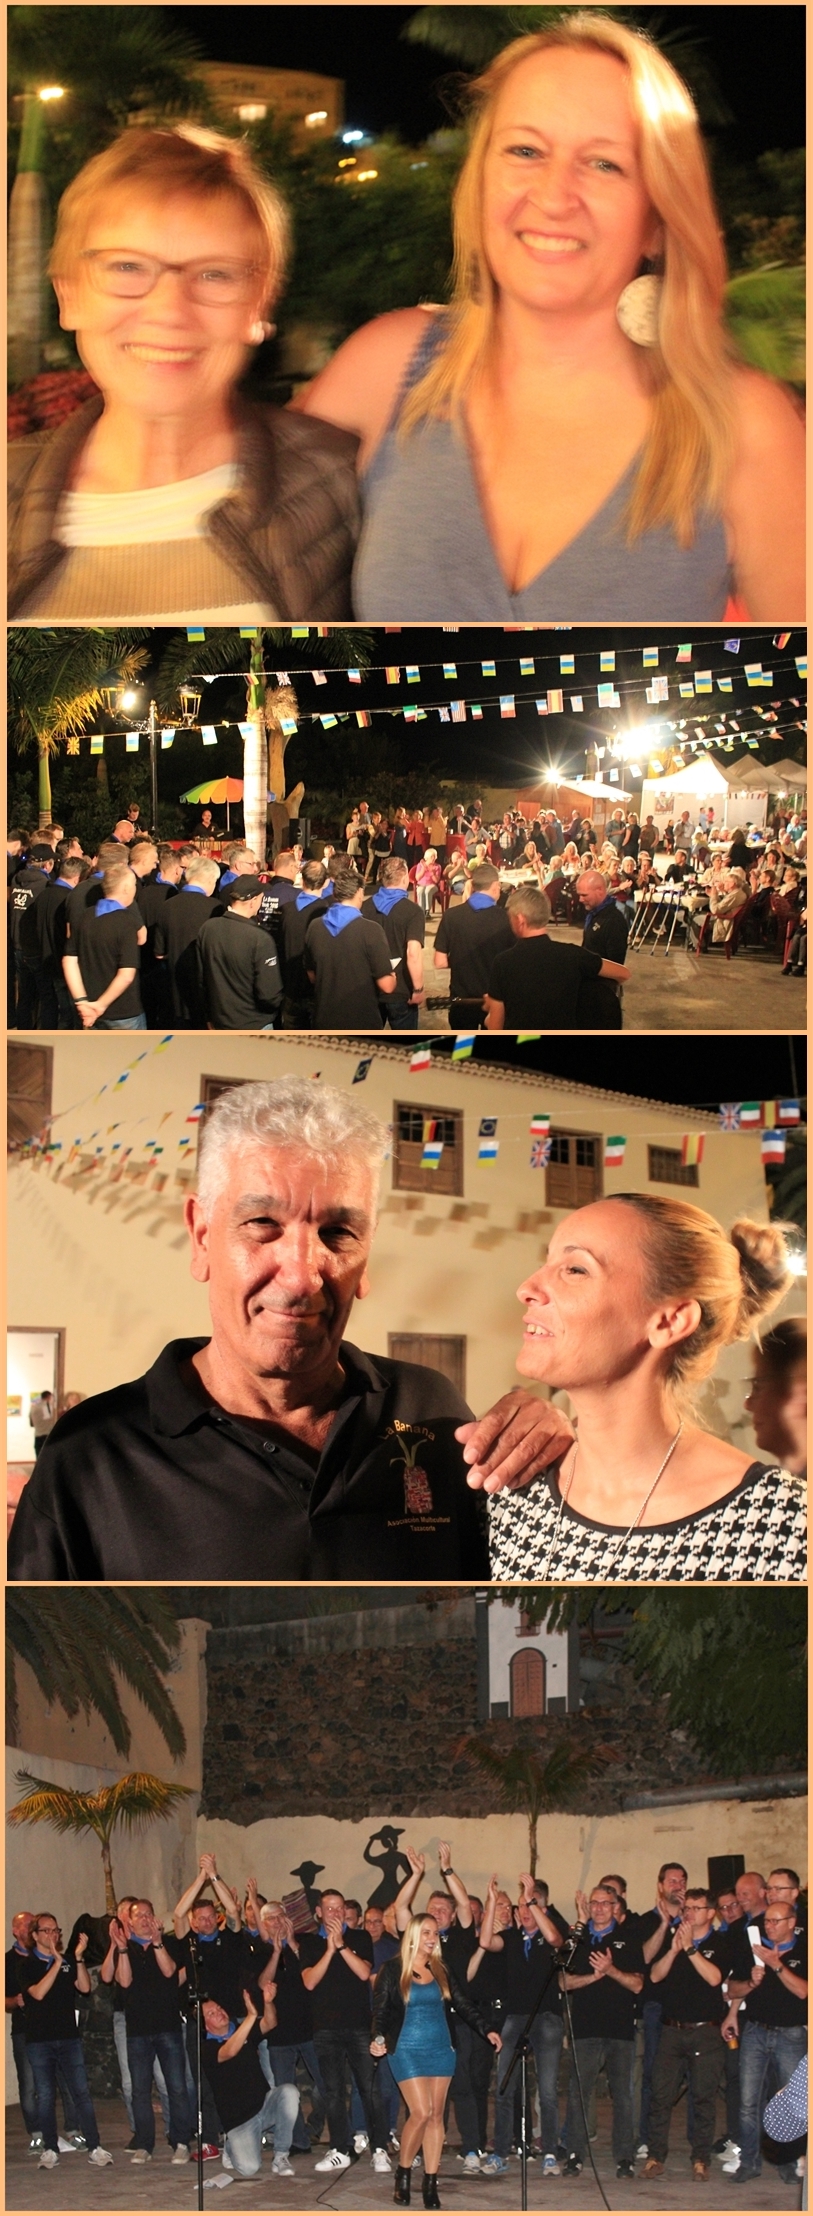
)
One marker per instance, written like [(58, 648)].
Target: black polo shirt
[(241, 980), (605, 2010), (239, 2085), (51, 919), (85, 895), (27, 889), (538, 981), (529, 1970), (457, 1945), (684, 1994), (403, 922), (152, 1481), (176, 936), (341, 2000), (278, 894), (472, 938), (293, 926), (346, 965), (772, 2001), (103, 945), (606, 932), (54, 2017), (292, 2003), (219, 1967), (152, 898), (151, 2004)]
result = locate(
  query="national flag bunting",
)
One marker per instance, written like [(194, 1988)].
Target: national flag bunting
[(539, 1125), (691, 1149), (432, 1147), (730, 1115), (650, 657), (463, 1045), (362, 1070), (489, 669), (773, 1146), (450, 672), (684, 652), (413, 675), (487, 1141), (458, 708), (524, 1037), (541, 1153), (526, 666), (354, 676), (614, 1150), (507, 707), (567, 665), (421, 1059), (606, 659), (788, 1111), (555, 703), (319, 676), (392, 673)]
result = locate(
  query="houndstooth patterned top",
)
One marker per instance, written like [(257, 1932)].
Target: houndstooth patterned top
[(757, 1533)]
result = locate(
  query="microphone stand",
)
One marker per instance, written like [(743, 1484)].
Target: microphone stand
[(196, 1997), (561, 1957)]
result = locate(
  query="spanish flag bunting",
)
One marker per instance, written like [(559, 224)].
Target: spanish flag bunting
[(691, 1149)]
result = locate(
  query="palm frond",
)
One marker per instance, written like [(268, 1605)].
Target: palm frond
[(46, 1803), (78, 1644), (136, 1800)]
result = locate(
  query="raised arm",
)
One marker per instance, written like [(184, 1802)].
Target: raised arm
[(404, 1899), (544, 1923), (455, 1885), (180, 1913), (232, 2046)]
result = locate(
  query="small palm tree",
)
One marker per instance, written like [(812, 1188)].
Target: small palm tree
[(55, 681), (531, 1786), (134, 1801), (80, 1643)]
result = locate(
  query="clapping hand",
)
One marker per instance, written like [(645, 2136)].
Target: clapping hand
[(769, 1957), (417, 1862), (444, 1855), (208, 1865), (251, 2006), (582, 1908), (154, 1932), (526, 1885), (80, 1947), (117, 1934), (600, 1963)]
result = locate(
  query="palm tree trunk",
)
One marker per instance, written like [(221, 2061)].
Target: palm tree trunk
[(532, 1845), (43, 784), (109, 1891), (255, 759), (27, 224)]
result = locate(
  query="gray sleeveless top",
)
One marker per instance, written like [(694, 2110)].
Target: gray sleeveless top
[(425, 555)]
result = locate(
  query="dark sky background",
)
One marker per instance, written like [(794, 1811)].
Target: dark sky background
[(698, 1071), (498, 751), (756, 56)]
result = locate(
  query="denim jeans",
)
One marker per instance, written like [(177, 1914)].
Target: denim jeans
[(282, 2064), (546, 2040), (28, 2090), (617, 2057), (335, 2050), (121, 1023), (402, 1018), (45, 2057), (120, 2044), (389, 2094), (651, 2015), (244, 2143), (765, 2049), (695, 2049), (211, 2121), (27, 971), (142, 2050)]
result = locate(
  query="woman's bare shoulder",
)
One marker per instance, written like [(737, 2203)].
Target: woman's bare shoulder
[(769, 417), (359, 387)]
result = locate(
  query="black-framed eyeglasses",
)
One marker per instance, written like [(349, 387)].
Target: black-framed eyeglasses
[(125, 275)]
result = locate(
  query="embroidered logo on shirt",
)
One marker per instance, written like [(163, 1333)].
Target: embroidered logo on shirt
[(417, 1489)]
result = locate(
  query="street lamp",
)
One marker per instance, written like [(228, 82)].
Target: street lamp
[(190, 704)]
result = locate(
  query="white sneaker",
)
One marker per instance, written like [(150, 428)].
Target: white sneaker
[(139, 2154), (181, 2153), (281, 2167), (381, 2160), (333, 2160), (35, 2142), (550, 2167), (66, 2146), (360, 2142), (471, 2162), (731, 2167), (100, 2158), (641, 2152), (48, 2159), (728, 2152), (226, 2160)]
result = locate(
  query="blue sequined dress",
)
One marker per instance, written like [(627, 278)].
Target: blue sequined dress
[(424, 2048)]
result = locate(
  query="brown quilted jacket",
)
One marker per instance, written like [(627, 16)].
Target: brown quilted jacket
[(290, 532)]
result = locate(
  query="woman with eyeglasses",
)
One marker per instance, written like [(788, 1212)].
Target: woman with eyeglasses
[(170, 490)]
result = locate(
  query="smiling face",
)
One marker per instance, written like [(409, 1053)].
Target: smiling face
[(428, 1939), (203, 1919), (215, 2019), (566, 217), (164, 353), (588, 1320), (285, 1255)]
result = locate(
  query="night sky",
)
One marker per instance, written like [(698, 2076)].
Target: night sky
[(507, 752), (695, 1072), (756, 56)]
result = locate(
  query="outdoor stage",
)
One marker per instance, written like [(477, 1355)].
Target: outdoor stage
[(75, 2186)]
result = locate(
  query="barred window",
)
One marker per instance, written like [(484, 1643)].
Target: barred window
[(408, 1125), (666, 1167)]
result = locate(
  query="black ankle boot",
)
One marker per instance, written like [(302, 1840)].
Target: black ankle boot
[(402, 2184), (430, 2189)]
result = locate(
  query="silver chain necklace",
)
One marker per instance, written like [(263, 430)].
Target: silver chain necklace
[(620, 1543)]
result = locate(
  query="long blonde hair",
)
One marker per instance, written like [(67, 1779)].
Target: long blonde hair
[(409, 1948), (687, 453)]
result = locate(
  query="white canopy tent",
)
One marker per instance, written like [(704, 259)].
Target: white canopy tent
[(701, 785)]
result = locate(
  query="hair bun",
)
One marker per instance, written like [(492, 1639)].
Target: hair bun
[(764, 1271)]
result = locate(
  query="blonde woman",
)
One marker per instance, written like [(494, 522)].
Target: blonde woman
[(634, 1304), (417, 1998), (170, 493), (574, 439)]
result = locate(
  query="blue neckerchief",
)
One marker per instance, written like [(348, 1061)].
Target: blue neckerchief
[(339, 916), (197, 889), (97, 875), (63, 881), (206, 1938), (303, 900), (600, 1932), (44, 1957), (386, 897), (480, 900), (527, 1941), (323, 1930), (608, 903), (162, 880), (140, 1942), (109, 907), (228, 877), (220, 2036), (785, 1946)]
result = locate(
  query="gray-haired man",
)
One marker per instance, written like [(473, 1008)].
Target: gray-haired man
[(272, 1449)]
